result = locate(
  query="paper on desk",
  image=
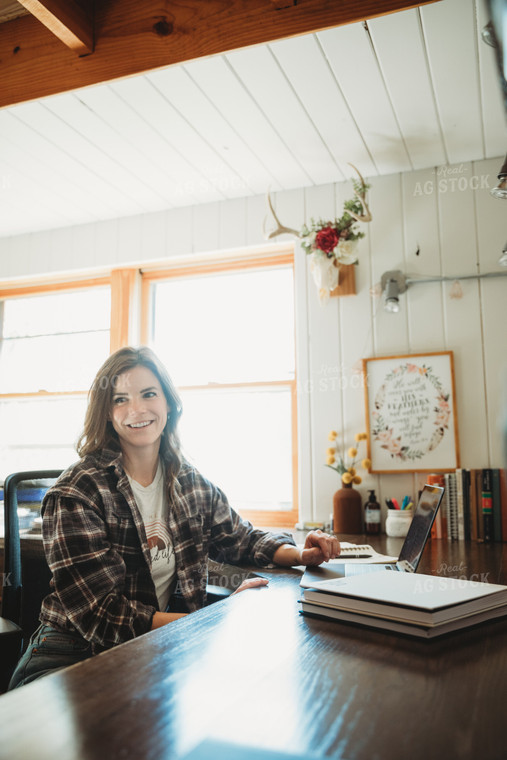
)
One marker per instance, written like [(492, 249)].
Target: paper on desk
[(347, 555), (348, 550)]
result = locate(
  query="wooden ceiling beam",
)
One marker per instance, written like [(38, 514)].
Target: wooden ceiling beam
[(132, 37), (71, 23)]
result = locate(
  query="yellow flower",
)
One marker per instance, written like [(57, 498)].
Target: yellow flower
[(330, 459), (358, 437), (333, 435), (352, 470), (330, 451), (346, 477), (357, 479), (352, 452), (366, 464)]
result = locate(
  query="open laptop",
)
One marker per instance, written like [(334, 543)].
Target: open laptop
[(410, 553)]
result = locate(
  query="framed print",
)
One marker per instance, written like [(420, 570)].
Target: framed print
[(411, 413)]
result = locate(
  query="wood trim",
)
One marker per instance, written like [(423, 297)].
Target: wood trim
[(225, 386), (71, 23), (11, 9), (41, 394), (145, 305), (201, 267), (133, 37), (346, 281), (269, 519), (406, 356), (262, 251), (295, 459), (281, 4), (18, 290), (123, 283)]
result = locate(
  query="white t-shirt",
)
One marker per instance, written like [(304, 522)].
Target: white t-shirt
[(152, 503)]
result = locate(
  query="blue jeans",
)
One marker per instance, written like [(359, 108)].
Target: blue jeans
[(47, 651)]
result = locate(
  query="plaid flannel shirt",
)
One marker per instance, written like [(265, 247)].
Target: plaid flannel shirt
[(96, 548)]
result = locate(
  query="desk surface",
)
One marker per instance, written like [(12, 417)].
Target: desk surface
[(251, 670)]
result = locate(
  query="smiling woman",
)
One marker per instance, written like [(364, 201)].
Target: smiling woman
[(139, 414), (134, 406), (129, 529)]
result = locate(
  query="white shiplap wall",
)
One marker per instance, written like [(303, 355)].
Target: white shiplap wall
[(447, 213), (397, 93)]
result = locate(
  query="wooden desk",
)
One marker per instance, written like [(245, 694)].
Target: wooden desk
[(252, 670)]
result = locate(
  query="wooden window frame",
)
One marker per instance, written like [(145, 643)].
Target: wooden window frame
[(205, 267), (26, 288), (121, 283)]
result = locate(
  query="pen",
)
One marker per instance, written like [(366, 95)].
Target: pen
[(395, 503), (389, 503)]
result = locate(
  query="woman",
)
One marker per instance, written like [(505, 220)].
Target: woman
[(129, 528)]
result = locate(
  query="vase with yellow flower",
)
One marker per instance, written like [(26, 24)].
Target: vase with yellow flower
[(347, 506)]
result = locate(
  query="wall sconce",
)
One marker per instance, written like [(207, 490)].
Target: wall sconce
[(393, 283), (500, 191)]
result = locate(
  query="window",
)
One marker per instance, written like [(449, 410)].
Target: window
[(226, 334), (51, 344)]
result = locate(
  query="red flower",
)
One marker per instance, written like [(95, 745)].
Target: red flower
[(327, 239)]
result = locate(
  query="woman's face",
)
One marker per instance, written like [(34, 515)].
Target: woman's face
[(139, 410)]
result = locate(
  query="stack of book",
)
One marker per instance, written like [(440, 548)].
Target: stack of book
[(474, 506), (414, 604)]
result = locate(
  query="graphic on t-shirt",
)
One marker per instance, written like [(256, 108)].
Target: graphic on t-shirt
[(159, 542)]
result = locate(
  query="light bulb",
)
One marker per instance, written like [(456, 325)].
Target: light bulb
[(392, 304), (488, 35), (500, 191), (392, 290)]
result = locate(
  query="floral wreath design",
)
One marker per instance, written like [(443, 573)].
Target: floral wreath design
[(384, 434)]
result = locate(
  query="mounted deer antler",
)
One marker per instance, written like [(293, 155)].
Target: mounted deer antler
[(351, 208), (281, 228), (361, 196)]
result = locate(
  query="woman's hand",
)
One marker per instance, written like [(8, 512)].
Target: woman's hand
[(319, 547), (251, 583)]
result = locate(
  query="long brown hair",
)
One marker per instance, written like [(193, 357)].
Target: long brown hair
[(98, 432)]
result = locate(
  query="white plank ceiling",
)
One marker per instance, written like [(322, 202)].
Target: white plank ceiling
[(411, 90)]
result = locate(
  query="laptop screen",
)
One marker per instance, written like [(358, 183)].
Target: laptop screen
[(420, 527)]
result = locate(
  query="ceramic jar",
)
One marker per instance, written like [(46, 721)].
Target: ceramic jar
[(398, 522)]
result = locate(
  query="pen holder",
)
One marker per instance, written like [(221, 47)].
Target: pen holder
[(398, 522)]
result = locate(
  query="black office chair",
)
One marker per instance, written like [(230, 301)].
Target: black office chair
[(26, 574)]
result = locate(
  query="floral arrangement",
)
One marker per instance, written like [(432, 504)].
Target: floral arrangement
[(345, 464), (336, 239)]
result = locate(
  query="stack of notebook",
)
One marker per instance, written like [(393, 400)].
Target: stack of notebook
[(414, 604)]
